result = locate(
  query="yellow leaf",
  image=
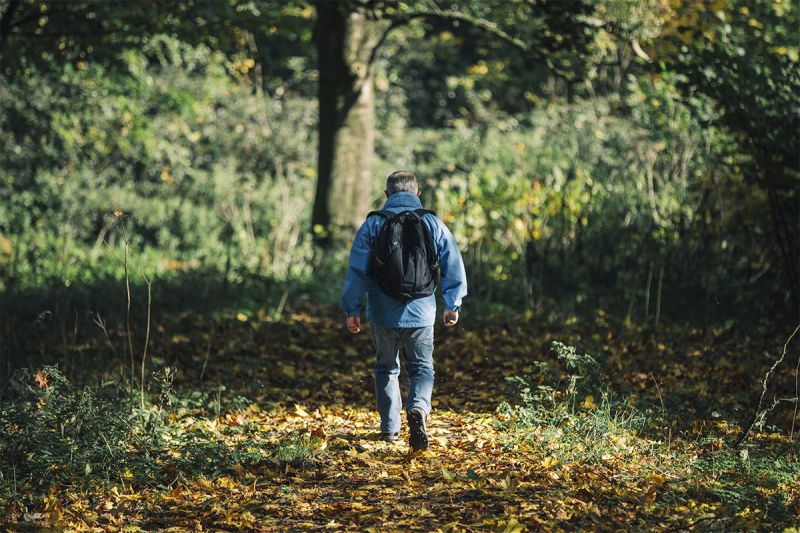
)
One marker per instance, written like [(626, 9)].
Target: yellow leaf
[(549, 462), (42, 380), (588, 403), (203, 482), (448, 475), (225, 482), (288, 371), (512, 526), (508, 484), (241, 317), (478, 70)]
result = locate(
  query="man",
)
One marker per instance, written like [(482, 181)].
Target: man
[(398, 323)]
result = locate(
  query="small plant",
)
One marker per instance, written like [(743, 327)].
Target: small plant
[(558, 411), (215, 405), (299, 451), (166, 392)]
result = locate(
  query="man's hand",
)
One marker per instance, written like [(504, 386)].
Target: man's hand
[(450, 317), (354, 324)]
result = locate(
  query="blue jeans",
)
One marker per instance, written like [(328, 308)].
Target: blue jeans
[(417, 348)]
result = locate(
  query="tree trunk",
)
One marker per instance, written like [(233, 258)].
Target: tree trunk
[(345, 41), (786, 247)]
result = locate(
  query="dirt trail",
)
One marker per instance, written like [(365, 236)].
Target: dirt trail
[(306, 378), (309, 377)]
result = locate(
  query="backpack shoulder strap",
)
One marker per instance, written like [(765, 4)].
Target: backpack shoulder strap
[(430, 247), (382, 212)]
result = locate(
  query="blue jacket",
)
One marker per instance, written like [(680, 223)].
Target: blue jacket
[(389, 312)]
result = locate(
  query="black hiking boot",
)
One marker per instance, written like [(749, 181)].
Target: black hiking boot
[(418, 431)]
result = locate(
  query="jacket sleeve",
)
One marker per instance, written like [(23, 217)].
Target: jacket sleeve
[(454, 277), (356, 281)]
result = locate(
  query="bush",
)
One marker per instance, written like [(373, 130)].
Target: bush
[(210, 174)]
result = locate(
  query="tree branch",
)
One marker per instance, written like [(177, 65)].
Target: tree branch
[(449, 14), (759, 415)]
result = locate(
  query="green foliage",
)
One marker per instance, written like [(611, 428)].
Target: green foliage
[(743, 40), (589, 180), (754, 468), (557, 412), (54, 433), (556, 415), (208, 173), (590, 200), (456, 70), (60, 434), (298, 451), (744, 55)]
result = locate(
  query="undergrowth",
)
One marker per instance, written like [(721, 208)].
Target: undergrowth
[(569, 415), (559, 413), (52, 433)]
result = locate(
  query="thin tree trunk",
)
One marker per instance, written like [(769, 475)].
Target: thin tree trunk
[(658, 296), (784, 243), (647, 292)]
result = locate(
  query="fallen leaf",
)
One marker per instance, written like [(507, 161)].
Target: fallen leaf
[(42, 379)]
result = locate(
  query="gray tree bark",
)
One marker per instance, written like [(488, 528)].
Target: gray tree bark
[(346, 40)]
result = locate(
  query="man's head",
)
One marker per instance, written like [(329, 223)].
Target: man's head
[(401, 181)]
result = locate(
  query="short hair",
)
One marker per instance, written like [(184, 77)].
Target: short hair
[(401, 181)]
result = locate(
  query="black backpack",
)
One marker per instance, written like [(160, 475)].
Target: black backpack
[(405, 264)]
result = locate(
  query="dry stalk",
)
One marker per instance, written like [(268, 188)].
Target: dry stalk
[(796, 396), (663, 410), (760, 414), (101, 323), (128, 308), (146, 336), (208, 353)]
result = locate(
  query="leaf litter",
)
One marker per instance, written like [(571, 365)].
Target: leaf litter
[(309, 420)]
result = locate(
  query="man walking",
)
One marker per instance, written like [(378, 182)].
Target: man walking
[(396, 258)]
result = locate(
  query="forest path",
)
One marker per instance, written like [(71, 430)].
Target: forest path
[(318, 384), (303, 392)]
